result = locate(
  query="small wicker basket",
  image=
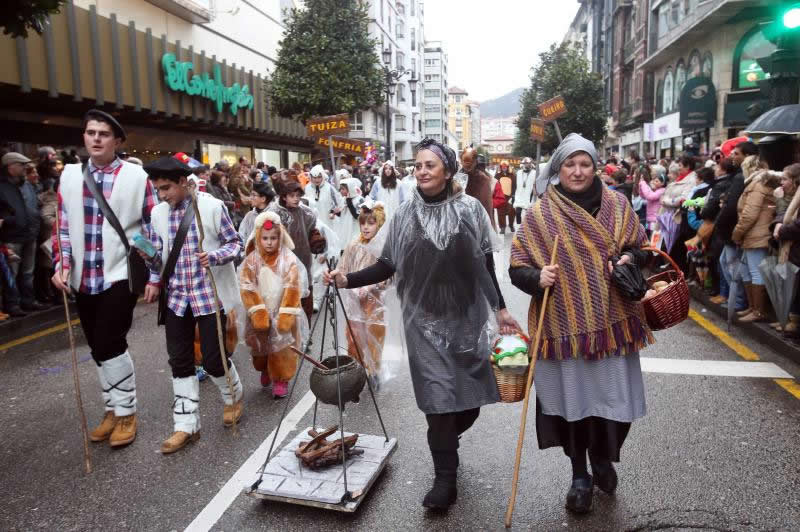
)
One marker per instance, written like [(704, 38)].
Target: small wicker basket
[(670, 306), (510, 385)]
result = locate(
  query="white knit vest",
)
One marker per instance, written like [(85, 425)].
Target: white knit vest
[(127, 199), (211, 214)]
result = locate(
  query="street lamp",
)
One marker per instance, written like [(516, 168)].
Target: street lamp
[(392, 77)]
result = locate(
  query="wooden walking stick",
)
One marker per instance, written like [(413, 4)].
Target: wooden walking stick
[(220, 332), (531, 370), (87, 461)]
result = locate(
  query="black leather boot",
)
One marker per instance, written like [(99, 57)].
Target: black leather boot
[(444, 491), (579, 496), (605, 476)]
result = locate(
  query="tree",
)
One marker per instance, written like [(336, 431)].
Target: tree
[(17, 16), (562, 70), (327, 62)]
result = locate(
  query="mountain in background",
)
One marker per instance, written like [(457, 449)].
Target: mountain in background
[(506, 105)]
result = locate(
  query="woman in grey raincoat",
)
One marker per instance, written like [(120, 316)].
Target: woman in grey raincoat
[(438, 246)]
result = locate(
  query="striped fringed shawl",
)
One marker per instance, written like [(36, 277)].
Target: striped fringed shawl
[(586, 315)]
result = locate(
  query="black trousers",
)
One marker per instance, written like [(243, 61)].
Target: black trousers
[(106, 319), (444, 429), (180, 342), (519, 210)]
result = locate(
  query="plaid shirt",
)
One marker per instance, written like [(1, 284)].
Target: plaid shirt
[(189, 284), (92, 281)]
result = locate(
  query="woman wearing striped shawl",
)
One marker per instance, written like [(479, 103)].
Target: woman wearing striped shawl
[(588, 380)]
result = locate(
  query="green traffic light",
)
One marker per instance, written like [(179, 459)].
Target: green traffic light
[(791, 19)]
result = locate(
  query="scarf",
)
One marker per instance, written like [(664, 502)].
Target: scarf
[(587, 316), (681, 176)]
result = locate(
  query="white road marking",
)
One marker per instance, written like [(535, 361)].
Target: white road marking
[(716, 368), (214, 510)]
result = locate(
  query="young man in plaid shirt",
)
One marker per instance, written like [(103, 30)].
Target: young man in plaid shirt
[(190, 297), (92, 261)]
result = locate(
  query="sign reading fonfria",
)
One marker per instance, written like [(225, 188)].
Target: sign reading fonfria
[(343, 145), (176, 76)]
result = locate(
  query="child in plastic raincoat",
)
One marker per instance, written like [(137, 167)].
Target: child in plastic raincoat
[(272, 280), (365, 306)]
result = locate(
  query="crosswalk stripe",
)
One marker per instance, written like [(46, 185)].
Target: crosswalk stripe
[(720, 368)]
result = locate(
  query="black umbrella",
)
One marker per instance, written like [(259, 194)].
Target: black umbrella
[(783, 120)]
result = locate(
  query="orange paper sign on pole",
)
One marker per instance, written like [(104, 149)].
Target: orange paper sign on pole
[(552, 109), (319, 126), (537, 130)]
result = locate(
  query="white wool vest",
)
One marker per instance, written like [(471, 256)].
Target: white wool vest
[(127, 199), (211, 213)]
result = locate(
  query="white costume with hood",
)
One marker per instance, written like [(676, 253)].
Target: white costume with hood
[(347, 227)]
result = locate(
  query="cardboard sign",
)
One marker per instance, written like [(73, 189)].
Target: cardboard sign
[(512, 161), (343, 145), (328, 125), (537, 130), (552, 109)]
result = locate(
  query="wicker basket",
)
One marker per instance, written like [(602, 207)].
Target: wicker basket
[(510, 385), (670, 306)]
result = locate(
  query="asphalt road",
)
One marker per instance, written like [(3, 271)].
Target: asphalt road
[(713, 453)]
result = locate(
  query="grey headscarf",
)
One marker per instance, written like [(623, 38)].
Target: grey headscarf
[(572, 143)]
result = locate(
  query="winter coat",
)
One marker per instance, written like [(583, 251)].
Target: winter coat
[(720, 187), (653, 198), (756, 210), (17, 218), (728, 215)]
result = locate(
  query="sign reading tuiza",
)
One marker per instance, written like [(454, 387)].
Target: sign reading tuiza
[(328, 125), (176, 76)]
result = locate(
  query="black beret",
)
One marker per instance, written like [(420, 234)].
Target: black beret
[(97, 114), (167, 167)]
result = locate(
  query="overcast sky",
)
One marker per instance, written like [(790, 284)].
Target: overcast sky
[(492, 44)]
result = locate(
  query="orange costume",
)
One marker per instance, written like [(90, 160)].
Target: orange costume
[(271, 286), (365, 306)]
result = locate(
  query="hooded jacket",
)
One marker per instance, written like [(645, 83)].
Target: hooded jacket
[(756, 210)]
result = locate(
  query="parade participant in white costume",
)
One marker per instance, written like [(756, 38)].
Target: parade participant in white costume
[(327, 202), (390, 190), (188, 301), (92, 262), (348, 226), (525, 194)]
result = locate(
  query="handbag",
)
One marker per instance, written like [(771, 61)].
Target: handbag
[(628, 279), (172, 260), (704, 232), (138, 273)]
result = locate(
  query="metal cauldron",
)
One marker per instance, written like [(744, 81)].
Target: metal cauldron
[(324, 382)]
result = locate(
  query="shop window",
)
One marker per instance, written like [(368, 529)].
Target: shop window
[(668, 85), (680, 81), (708, 65), (694, 65), (357, 121), (752, 47)]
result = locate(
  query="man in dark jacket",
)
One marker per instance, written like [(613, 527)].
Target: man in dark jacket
[(20, 214)]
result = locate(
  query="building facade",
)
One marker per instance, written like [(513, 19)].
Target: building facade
[(503, 126), (459, 122), (434, 91), (398, 26), (172, 73), (475, 123)]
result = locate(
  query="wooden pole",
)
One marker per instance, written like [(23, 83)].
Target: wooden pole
[(87, 461), (220, 332), (558, 130), (333, 161), (531, 370)]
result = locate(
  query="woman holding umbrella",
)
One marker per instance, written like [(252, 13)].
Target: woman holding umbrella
[(438, 245), (589, 386)]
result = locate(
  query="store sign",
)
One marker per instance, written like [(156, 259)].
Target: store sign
[(698, 107), (537, 130), (350, 146), (667, 127), (648, 132), (328, 125), (552, 109), (176, 76)]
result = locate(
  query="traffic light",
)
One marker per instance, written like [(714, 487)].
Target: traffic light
[(791, 17)]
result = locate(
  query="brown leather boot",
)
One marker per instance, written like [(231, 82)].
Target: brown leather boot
[(792, 326), (232, 413), (177, 441), (759, 304), (748, 290), (102, 431), (125, 431)]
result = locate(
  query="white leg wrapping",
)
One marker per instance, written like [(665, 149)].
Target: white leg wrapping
[(121, 380), (105, 389), (222, 384), (186, 405), (316, 276)]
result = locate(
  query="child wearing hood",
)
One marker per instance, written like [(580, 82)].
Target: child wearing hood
[(348, 225), (365, 306), (272, 281)]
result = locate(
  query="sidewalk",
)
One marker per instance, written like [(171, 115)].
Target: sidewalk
[(758, 331), (16, 328)]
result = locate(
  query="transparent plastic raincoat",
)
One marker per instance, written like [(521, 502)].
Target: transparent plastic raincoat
[(299, 223), (438, 252), (271, 286)]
